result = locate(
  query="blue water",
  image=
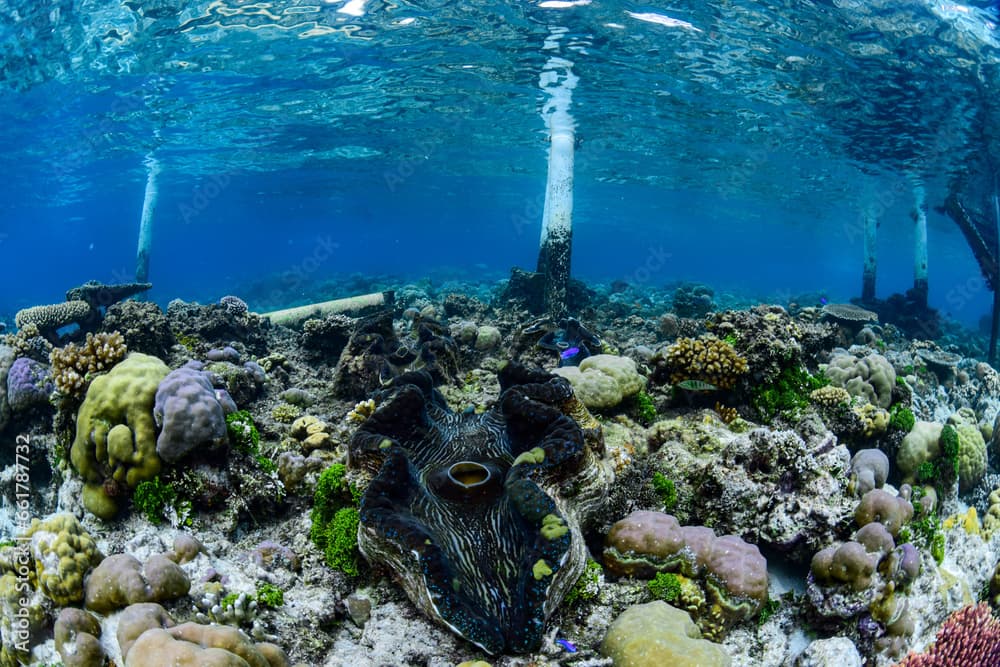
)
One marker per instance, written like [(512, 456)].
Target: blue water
[(311, 141)]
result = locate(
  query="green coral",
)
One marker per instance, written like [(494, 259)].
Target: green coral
[(335, 520), (245, 437), (152, 498), (901, 418), (643, 407), (787, 395), (768, 610), (588, 587), (665, 489), (269, 595), (341, 538), (926, 532), (665, 586), (243, 434)]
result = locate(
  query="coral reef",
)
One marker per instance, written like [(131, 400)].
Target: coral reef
[(770, 487), (143, 325)]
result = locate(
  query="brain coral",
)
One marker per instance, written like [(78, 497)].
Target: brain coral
[(464, 507), (115, 444)]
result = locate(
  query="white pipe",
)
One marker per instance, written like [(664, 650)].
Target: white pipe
[(920, 236), (146, 221), (555, 245)]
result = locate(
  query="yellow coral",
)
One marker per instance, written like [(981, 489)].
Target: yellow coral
[(706, 359), (362, 411), (727, 414), (73, 365), (63, 552)]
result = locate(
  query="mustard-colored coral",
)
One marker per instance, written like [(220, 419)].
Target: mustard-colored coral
[(876, 420), (312, 433), (115, 444), (706, 359), (73, 365), (63, 553)]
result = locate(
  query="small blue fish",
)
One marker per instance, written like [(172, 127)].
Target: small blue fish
[(569, 353), (567, 644)]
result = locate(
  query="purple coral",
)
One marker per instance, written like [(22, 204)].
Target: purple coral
[(644, 543), (29, 383), (190, 412)]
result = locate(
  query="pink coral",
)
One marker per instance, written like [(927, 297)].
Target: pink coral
[(970, 637)]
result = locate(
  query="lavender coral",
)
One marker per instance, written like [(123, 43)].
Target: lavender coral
[(190, 412)]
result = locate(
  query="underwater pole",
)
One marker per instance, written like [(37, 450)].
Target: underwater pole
[(871, 257), (146, 221), (995, 323), (920, 244), (556, 243)]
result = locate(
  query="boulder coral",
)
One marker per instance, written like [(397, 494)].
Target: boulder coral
[(115, 444), (190, 412), (871, 377), (601, 381), (658, 634), (733, 573), (148, 637)]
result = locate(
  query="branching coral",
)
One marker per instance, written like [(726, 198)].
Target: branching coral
[(707, 359), (969, 637), (73, 365)]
